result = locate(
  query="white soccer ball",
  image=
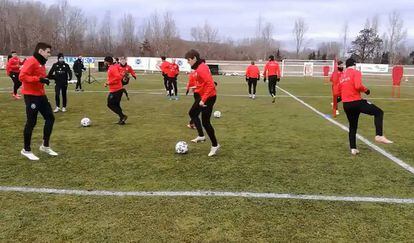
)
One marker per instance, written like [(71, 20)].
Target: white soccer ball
[(217, 114), (181, 147), (85, 122)]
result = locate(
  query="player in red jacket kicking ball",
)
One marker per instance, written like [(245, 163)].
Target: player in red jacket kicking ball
[(205, 87), (350, 87), (115, 89), (33, 77)]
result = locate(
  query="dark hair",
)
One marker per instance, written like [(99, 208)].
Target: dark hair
[(163, 58), (272, 58), (60, 55), (109, 59), (42, 46), (9, 56), (350, 62), (12, 52), (252, 63), (340, 63), (191, 54)]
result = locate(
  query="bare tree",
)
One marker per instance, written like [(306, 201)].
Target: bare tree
[(207, 36), (127, 35), (106, 38), (299, 31), (345, 39), (396, 33)]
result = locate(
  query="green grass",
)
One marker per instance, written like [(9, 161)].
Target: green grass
[(282, 148)]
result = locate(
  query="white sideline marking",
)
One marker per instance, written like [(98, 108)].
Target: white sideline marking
[(373, 146), (208, 194)]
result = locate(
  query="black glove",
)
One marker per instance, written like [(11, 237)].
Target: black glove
[(264, 80), (338, 99), (258, 78), (277, 79), (186, 93), (368, 92), (247, 79), (135, 77), (44, 81)]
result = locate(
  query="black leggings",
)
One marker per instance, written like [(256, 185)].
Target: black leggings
[(16, 82), (195, 106), (172, 84), (61, 88), (272, 85), (353, 109), (252, 82), (78, 81), (166, 82), (194, 113), (114, 103), (35, 104)]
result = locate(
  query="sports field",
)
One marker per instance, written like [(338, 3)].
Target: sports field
[(284, 149)]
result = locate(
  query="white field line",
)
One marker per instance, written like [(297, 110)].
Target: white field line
[(373, 146), (208, 194)]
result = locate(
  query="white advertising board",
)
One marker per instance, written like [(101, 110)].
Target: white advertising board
[(2, 62), (372, 68), (153, 63)]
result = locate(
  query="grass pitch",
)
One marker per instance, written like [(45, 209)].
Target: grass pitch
[(281, 148)]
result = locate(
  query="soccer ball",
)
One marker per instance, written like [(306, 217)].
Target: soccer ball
[(85, 122), (217, 114), (181, 147)]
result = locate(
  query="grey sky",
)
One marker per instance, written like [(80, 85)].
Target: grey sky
[(237, 19)]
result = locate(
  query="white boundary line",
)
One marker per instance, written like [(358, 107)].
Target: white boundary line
[(208, 194), (373, 146)]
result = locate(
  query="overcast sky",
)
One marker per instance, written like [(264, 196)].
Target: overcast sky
[(237, 19)]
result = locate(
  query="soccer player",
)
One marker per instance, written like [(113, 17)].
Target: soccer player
[(172, 74), (61, 73), (33, 77), (206, 89), (78, 68), (164, 70), (272, 72), (397, 74), (336, 75), (252, 75), (125, 68), (350, 87), (13, 70), (115, 89)]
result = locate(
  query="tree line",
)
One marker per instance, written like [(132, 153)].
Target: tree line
[(23, 23)]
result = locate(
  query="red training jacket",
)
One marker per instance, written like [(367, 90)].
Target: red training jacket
[(13, 65), (204, 82), (114, 78), (252, 71), (164, 67), (127, 69), (336, 75), (350, 85), (30, 75), (192, 80), (173, 70), (271, 69)]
